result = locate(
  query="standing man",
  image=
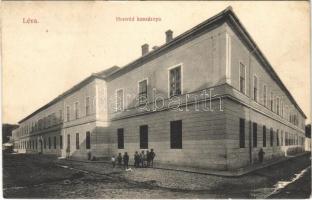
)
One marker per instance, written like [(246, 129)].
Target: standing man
[(126, 160), (152, 156), (261, 154)]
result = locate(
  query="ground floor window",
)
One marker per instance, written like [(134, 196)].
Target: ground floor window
[(271, 137), (144, 137), (241, 133), (77, 140), (49, 140), (255, 134), (120, 138), (176, 134), (88, 140), (264, 136), (61, 142), (54, 142), (44, 143), (68, 141), (277, 138)]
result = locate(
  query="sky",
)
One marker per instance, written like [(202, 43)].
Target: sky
[(74, 39)]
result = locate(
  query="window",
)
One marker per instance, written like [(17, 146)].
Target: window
[(255, 88), (61, 115), (119, 100), (142, 92), (88, 140), (49, 140), (77, 140), (87, 106), (44, 143), (36, 144), (271, 102), (277, 137), (271, 137), (67, 113), (242, 133), (61, 142), (264, 95), (144, 137), (254, 131), (175, 81), (264, 136), (176, 134), (68, 141), (282, 138), (277, 106), (76, 107), (120, 138), (54, 142), (242, 78)]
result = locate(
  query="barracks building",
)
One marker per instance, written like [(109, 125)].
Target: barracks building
[(207, 98)]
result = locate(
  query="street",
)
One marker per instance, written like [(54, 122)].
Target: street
[(33, 176)]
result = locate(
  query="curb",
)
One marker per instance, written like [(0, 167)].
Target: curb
[(236, 173)]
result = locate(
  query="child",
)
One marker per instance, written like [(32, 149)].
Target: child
[(113, 161)]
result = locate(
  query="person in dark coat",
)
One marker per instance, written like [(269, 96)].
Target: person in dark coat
[(142, 155), (119, 159), (261, 155), (126, 160), (136, 159), (148, 158), (152, 156)]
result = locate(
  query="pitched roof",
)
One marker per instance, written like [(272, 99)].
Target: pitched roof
[(228, 16), (101, 75)]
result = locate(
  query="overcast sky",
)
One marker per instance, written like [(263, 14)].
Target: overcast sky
[(74, 39)]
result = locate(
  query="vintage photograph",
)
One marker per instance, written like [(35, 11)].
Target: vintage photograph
[(156, 100)]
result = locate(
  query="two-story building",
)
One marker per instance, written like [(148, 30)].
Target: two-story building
[(207, 98)]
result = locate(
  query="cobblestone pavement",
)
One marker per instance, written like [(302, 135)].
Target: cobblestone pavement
[(101, 180)]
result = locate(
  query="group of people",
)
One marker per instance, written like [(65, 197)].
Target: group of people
[(140, 160)]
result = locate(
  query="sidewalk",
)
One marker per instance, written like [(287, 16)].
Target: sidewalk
[(234, 173)]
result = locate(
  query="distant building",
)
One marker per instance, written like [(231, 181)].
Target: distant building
[(207, 98), (7, 132)]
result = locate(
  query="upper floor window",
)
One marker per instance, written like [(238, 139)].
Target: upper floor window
[(255, 88), (242, 78), (67, 113), (264, 95), (277, 106), (87, 106), (61, 115), (271, 102), (142, 92), (76, 107), (119, 100), (175, 81)]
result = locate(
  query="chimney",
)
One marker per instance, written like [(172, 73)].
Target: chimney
[(168, 35), (144, 49)]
